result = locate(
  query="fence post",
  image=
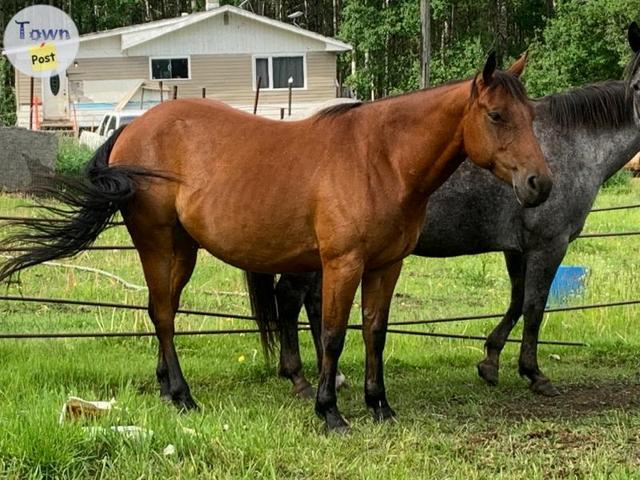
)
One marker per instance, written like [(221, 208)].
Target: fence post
[(290, 93), (31, 87), (255, 102)]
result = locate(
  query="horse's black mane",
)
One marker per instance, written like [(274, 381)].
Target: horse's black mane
[(506, 81), (340, 108), (599, 105)]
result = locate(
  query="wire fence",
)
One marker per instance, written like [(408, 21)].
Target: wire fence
[(302, 326)]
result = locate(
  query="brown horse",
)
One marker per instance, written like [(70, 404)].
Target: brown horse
[(345, 191)]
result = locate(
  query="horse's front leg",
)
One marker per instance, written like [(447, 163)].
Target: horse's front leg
[(541, 268), (489, 367), (377, 291), (340, 280)]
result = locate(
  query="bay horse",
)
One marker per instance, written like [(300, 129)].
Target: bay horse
[(344, 191), (587, 134)]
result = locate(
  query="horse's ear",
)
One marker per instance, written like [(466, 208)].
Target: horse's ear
[(633, 33), (489, 68), (518, 66)]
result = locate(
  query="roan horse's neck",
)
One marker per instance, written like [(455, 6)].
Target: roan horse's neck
[(423, 138), (619, 147)]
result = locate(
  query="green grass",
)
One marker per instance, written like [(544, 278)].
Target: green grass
[(450, 425)]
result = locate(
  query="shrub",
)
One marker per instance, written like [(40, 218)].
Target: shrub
[(72, 156)]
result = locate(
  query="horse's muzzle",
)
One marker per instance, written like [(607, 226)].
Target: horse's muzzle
[(532, 189)]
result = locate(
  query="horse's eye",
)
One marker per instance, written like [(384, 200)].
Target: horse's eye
[(495, 116)]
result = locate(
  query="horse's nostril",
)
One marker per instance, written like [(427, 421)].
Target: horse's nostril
[(636, 86), (532, 181)]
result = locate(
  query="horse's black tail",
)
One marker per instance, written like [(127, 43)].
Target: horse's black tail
[(88, 204), (262, 294)]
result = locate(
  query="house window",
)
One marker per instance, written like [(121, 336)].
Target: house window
[(276, 71), (262, 72), (169, 68)]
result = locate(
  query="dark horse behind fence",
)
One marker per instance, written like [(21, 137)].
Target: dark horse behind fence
[(587, 135), (344, 191)]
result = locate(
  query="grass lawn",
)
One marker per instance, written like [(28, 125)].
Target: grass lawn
[(450, 425)]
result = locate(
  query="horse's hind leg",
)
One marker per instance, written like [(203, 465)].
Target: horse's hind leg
[(541, 268), (489, 367), (168, 256), (291, 291), (377, 291)]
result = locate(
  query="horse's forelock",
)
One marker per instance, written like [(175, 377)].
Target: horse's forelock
[(505, 81), (510, 84)]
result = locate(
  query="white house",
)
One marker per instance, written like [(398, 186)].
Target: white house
[(223, 50)]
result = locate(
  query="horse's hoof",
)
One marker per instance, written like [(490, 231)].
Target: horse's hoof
[(186, 404), (384, 413), (304, 392), (335, 423), (545, 388), (488, 372), (341, 381)]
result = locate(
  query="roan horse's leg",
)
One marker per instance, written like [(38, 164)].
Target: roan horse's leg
[(291, 292), (489, 367), (541, 268), (530, 281), (377, 291), (168, 258), (313, 307), (340, 279)]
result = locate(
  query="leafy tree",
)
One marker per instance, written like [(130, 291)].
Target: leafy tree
[(386, 40), (7, 94), (571, 42), (585, 42)]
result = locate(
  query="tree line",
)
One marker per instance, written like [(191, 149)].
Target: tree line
[(570, 42)]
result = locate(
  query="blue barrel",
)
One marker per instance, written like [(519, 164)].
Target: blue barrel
[(568, 282)]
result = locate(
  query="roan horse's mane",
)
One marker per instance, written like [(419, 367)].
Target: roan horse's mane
[(597, 106), (511, 84)]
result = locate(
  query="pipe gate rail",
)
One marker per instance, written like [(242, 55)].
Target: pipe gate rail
[(303, 326)]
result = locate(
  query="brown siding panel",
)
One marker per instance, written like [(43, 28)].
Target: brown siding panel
[(229, 78), (23, 88), (116, 68), (226, 77)]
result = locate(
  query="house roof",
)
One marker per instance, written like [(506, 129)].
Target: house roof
[(138, 34)]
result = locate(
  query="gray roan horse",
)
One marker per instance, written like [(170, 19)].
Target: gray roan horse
[(586, 134)]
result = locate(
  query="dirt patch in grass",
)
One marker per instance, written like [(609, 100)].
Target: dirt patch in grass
[(576, 400)]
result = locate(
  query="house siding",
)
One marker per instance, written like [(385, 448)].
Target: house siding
[(230, 78), (238, 35), (23, 88), (113, 68), (226, 77)]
